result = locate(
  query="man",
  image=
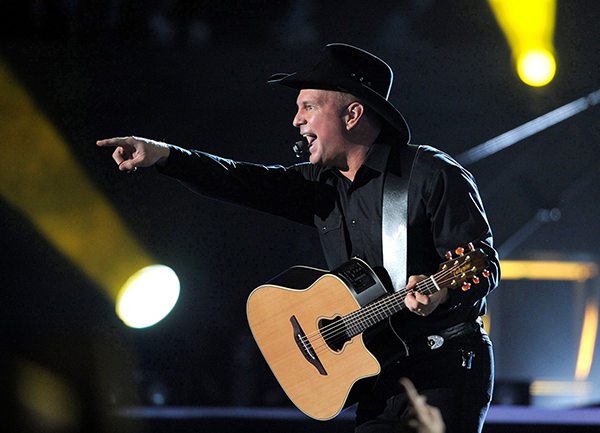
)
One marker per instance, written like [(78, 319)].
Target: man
[(361, 171)]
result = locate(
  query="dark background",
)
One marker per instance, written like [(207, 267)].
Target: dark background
[(193, 74)]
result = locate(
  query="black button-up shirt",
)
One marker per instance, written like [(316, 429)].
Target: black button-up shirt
[(444, 212)]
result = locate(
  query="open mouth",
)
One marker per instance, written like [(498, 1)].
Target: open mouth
[(310, 139)]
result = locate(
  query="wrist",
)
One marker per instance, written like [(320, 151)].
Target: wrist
[(163, 154)]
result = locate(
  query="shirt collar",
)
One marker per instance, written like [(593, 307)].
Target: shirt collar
[(377, 156), (376, 159)]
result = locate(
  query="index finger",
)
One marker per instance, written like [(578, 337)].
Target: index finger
[(116, 141), (411, 391)]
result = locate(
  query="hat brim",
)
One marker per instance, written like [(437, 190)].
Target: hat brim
[(374, 100)]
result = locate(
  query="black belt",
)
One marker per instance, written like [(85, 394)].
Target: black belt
[(437, 340)]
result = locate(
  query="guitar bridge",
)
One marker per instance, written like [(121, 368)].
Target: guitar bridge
[(305, 346)]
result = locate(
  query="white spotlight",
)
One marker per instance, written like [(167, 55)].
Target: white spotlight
[(536, 67), (148, 296)]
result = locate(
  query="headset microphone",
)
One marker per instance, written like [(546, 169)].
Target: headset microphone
[(300, 148)]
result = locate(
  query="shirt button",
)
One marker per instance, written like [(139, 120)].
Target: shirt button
[(353, 221)]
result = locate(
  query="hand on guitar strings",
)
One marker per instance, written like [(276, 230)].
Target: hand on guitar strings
[(420, 304), (423, 417)]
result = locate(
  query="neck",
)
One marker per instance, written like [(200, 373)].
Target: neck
[(365, 132), (354, 161)]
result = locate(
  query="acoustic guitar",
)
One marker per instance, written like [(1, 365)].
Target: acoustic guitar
[(309, 325)]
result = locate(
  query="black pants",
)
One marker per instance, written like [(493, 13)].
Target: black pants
[(461, 394)]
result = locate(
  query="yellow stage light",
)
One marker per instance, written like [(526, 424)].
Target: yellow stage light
[(587, 342), (40, 178), (529, 29), (544, 388), (547, 270), (536, 67), (49, 399)]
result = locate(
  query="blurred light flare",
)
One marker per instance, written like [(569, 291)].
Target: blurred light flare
[(41, 179), (548, 270), (48, 398), (559, 388), (536, 67), (563, 271), (587, 342), (529, 29), (148, 296)]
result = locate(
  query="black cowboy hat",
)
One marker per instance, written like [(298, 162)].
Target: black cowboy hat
[(349, 69)]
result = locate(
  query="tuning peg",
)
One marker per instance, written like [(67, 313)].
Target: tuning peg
[(466, 286), (471, 246), (459, 251), (448, 255), (475, 279), (485, 273)]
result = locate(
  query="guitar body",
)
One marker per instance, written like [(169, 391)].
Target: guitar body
[(277, 314)]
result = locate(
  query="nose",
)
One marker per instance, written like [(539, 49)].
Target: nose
[(298, 119)]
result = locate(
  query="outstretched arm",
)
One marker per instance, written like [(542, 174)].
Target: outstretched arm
[(286, 192)]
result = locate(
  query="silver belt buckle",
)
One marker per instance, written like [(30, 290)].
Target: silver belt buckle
[(435, 341)]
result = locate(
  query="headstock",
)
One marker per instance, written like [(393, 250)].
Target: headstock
[(463, 267)]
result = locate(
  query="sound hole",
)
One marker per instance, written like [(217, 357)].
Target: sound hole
[(334, 333)]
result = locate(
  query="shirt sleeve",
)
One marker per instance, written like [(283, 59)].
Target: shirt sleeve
[(277, 190), (457, 217)]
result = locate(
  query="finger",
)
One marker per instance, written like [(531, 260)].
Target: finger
[(414, 306), (411, 302), (414, 279), (112, 142), (434, 413), (421, 299), (129, 165), (119, 155), (411, 391), (412, 282)]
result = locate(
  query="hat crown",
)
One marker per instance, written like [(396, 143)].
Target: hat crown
[(359, 65)]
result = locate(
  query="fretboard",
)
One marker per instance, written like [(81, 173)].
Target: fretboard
[(360, 320)]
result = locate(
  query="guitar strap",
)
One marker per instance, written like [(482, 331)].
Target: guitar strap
[(394, 234)]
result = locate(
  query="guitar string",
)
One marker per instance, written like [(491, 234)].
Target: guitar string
[(366, 312), (375, 312), (384, 305), (380, 306), (356, 322), (399, 303)]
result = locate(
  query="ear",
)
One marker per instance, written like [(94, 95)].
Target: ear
[(354, 113)]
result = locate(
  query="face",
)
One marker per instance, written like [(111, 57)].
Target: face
[(320, 120)]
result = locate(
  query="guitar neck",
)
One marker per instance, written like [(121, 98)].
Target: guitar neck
[(385, 307), (451, 274)]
